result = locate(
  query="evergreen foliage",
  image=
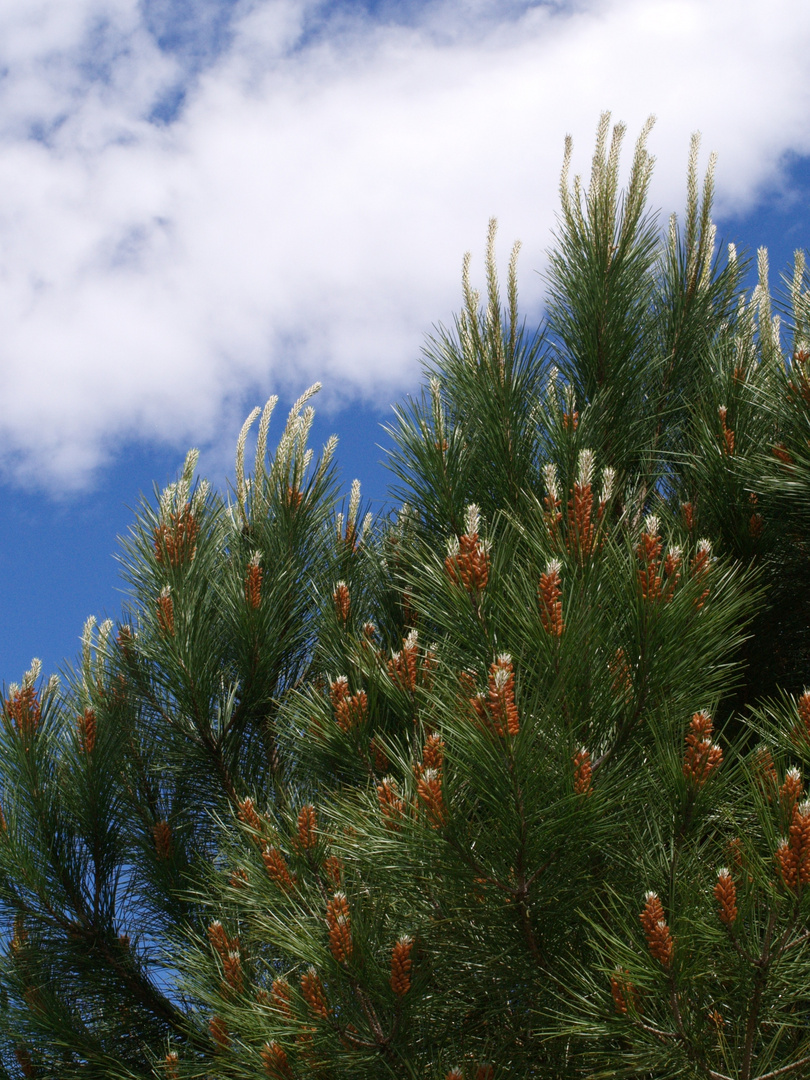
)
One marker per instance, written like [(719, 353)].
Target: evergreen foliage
[(509, 785)]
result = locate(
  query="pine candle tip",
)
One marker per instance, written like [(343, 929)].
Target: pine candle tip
[(472, 519), (33, 673), (585, 467)]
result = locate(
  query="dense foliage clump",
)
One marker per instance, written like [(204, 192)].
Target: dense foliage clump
[(511, 784)]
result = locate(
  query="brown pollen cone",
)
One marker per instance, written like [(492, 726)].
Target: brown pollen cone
[(780, 451), (727, 435), (583, 773), (790, 793), (219, 1032), (552, 515), (281, 996), (350, 709), (480, 707), (580, 521), (277, 869), (232, 966), (803, 706), (125, 640), (333, 868), (432, 753), (725, 893), (501, 697), (25, 710), (649, 555), (765, 772), (469, 566), (340, 927), (659, 939), (162, 834), (549, 594), (401, 964), (165, 613), (176, 542), (253, 586), (219, 939), (276, 1064), (391, 805), (793, 854), (238, 878), (701, 757), (307, 824), (700, 567), (403, 665), (248, 815), (429, 790), (341, 601), (314, 993), (625, 995), (86, 726), (429, 781), (672, 574), (617, 990)]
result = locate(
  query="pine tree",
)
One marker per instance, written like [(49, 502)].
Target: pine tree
[(510, 784)]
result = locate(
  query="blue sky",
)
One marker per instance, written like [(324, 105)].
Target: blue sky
[(206, 201)]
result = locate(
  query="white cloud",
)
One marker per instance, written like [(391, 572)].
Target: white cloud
[(305, 213)]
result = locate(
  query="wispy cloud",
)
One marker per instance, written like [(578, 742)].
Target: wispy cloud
[(284, 191)]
